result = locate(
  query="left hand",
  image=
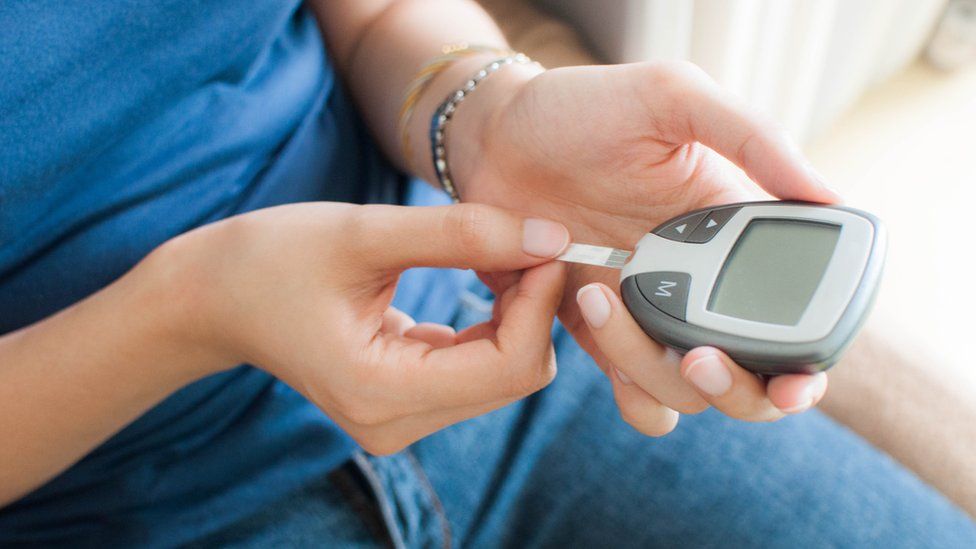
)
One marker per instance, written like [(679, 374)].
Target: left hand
[(612, 151)]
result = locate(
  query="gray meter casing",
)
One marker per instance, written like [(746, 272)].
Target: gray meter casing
[(667, 286)]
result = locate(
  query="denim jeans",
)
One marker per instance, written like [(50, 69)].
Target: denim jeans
[(560, 468)]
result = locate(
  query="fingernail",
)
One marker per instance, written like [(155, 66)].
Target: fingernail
[(594, 305), (624, 377), (809, 395), (543, 238), (710, 375)]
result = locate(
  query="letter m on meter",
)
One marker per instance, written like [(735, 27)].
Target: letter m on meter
[(664, 288)]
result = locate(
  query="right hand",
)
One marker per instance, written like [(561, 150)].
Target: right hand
[(303, 291)]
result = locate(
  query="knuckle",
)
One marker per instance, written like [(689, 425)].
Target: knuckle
[(692, 407), (752, 142), (471, 225), (548, 373), (526, 381), (354, 226), (675, 74), (754, 412)]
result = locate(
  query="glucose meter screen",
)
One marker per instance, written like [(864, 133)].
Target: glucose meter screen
[(774, 270)]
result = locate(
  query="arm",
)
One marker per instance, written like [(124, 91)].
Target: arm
[(203, 302), (67, 383), (380, 45)]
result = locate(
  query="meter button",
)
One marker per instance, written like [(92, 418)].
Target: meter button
[(711, 225), (681, 228), (666, 290)]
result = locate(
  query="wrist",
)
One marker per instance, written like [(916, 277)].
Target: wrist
[(180, 317), (474, 124), (473, 117)]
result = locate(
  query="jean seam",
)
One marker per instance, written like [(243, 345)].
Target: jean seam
[(385, 505), (435, 500)]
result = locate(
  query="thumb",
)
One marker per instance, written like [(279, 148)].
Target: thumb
[(767, 154), (468, 236)]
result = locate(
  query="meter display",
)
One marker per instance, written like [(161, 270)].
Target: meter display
[(773, 270)]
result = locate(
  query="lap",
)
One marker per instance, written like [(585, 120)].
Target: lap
[(561, 467)]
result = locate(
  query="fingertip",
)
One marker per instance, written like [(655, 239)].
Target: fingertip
[(821, 192), (396, 322), (643, 411), (435, 335), (548, 279), (594, 305), (697, 353), (544, 238), (709, 371), (795, 393)]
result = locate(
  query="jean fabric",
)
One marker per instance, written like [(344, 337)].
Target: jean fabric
[(561, 469)]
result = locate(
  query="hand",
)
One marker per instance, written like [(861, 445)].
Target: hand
[(303, 291), (611, 152)]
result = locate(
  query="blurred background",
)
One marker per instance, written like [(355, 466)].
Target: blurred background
[(882, 95)]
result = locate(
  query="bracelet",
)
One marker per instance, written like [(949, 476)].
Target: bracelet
[(421, 81), (443, 114)]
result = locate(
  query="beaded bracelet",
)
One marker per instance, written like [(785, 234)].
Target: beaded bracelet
[(421, 81), (444, 113)]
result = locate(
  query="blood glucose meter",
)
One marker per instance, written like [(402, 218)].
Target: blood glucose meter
[(781, 287)]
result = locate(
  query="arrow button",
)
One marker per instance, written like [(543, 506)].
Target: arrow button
[(714, 221), (680, 228)]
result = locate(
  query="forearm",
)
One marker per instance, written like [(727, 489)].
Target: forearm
[(380, 46), (69, 382)]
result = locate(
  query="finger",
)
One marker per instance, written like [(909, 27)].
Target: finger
[(727, 386), (395, 435), (640, 359), (435, 335), (396, 321), (514, 360), (795, 393), (713, 117), (641, 410), (499, 282), (503, 302), (470, 236)]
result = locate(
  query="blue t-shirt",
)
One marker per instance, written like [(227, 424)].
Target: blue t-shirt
[(123, 124)]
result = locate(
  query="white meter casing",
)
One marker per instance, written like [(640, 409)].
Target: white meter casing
[(781, 287)]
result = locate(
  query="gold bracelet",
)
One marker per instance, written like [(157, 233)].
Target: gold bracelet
[(420, 82)]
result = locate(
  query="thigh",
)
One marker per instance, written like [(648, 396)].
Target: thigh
[(338, 510), (561, 468)]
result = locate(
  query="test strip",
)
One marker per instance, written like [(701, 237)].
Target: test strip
[(601, 256)]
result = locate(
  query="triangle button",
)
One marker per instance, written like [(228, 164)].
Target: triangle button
[(681, 228), (712, 224)]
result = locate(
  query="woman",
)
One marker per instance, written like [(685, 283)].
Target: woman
[(153, 157)]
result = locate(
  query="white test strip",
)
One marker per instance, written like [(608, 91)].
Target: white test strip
[(601, 256)]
